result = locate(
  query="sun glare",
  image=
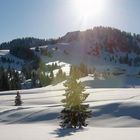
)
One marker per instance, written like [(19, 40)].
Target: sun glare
[(89, 8)]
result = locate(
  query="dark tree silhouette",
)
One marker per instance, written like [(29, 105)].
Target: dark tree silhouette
[(18, 101)]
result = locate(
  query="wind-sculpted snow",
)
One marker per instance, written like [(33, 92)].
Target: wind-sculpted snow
[(44, 104), (115, 111)]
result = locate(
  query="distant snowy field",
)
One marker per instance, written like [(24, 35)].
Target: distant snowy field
[(4, 52), (115, 115)]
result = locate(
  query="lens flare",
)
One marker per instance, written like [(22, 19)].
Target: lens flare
[(89, 8)]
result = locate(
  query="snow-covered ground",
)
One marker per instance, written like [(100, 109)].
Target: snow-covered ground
[(44, 131), (115, 114), (115, 111), (4, 52)]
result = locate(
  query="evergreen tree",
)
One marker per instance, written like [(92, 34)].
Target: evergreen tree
[(83, 70), (4, 80), (60, 76), (34, 78), (48, 80), (42, 67), (18, 101), (75, 72), (51, 75), (17, 80), (44, 80), (37, 49), (10, 79), (75, 112)]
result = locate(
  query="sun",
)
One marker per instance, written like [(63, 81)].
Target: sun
[(89, 8)]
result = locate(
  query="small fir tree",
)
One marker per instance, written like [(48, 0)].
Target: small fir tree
[(18, 101), (60, 76), (75, 112), (51, 75)]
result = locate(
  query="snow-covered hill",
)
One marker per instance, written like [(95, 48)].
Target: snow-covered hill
[(111, 46), (10, 60), (100, 47), (67, 54)]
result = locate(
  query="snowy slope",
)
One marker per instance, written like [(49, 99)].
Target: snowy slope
[(115, 114), (76, 53), (17, 62)]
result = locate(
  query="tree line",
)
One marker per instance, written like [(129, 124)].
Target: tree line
[(9, 79), (27, 42)]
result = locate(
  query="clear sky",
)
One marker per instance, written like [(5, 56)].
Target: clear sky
[(54, 18)]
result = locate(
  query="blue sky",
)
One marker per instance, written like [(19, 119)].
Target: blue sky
[(54, 18)]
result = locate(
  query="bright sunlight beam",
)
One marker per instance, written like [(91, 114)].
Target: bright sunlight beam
[(89, 8)]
